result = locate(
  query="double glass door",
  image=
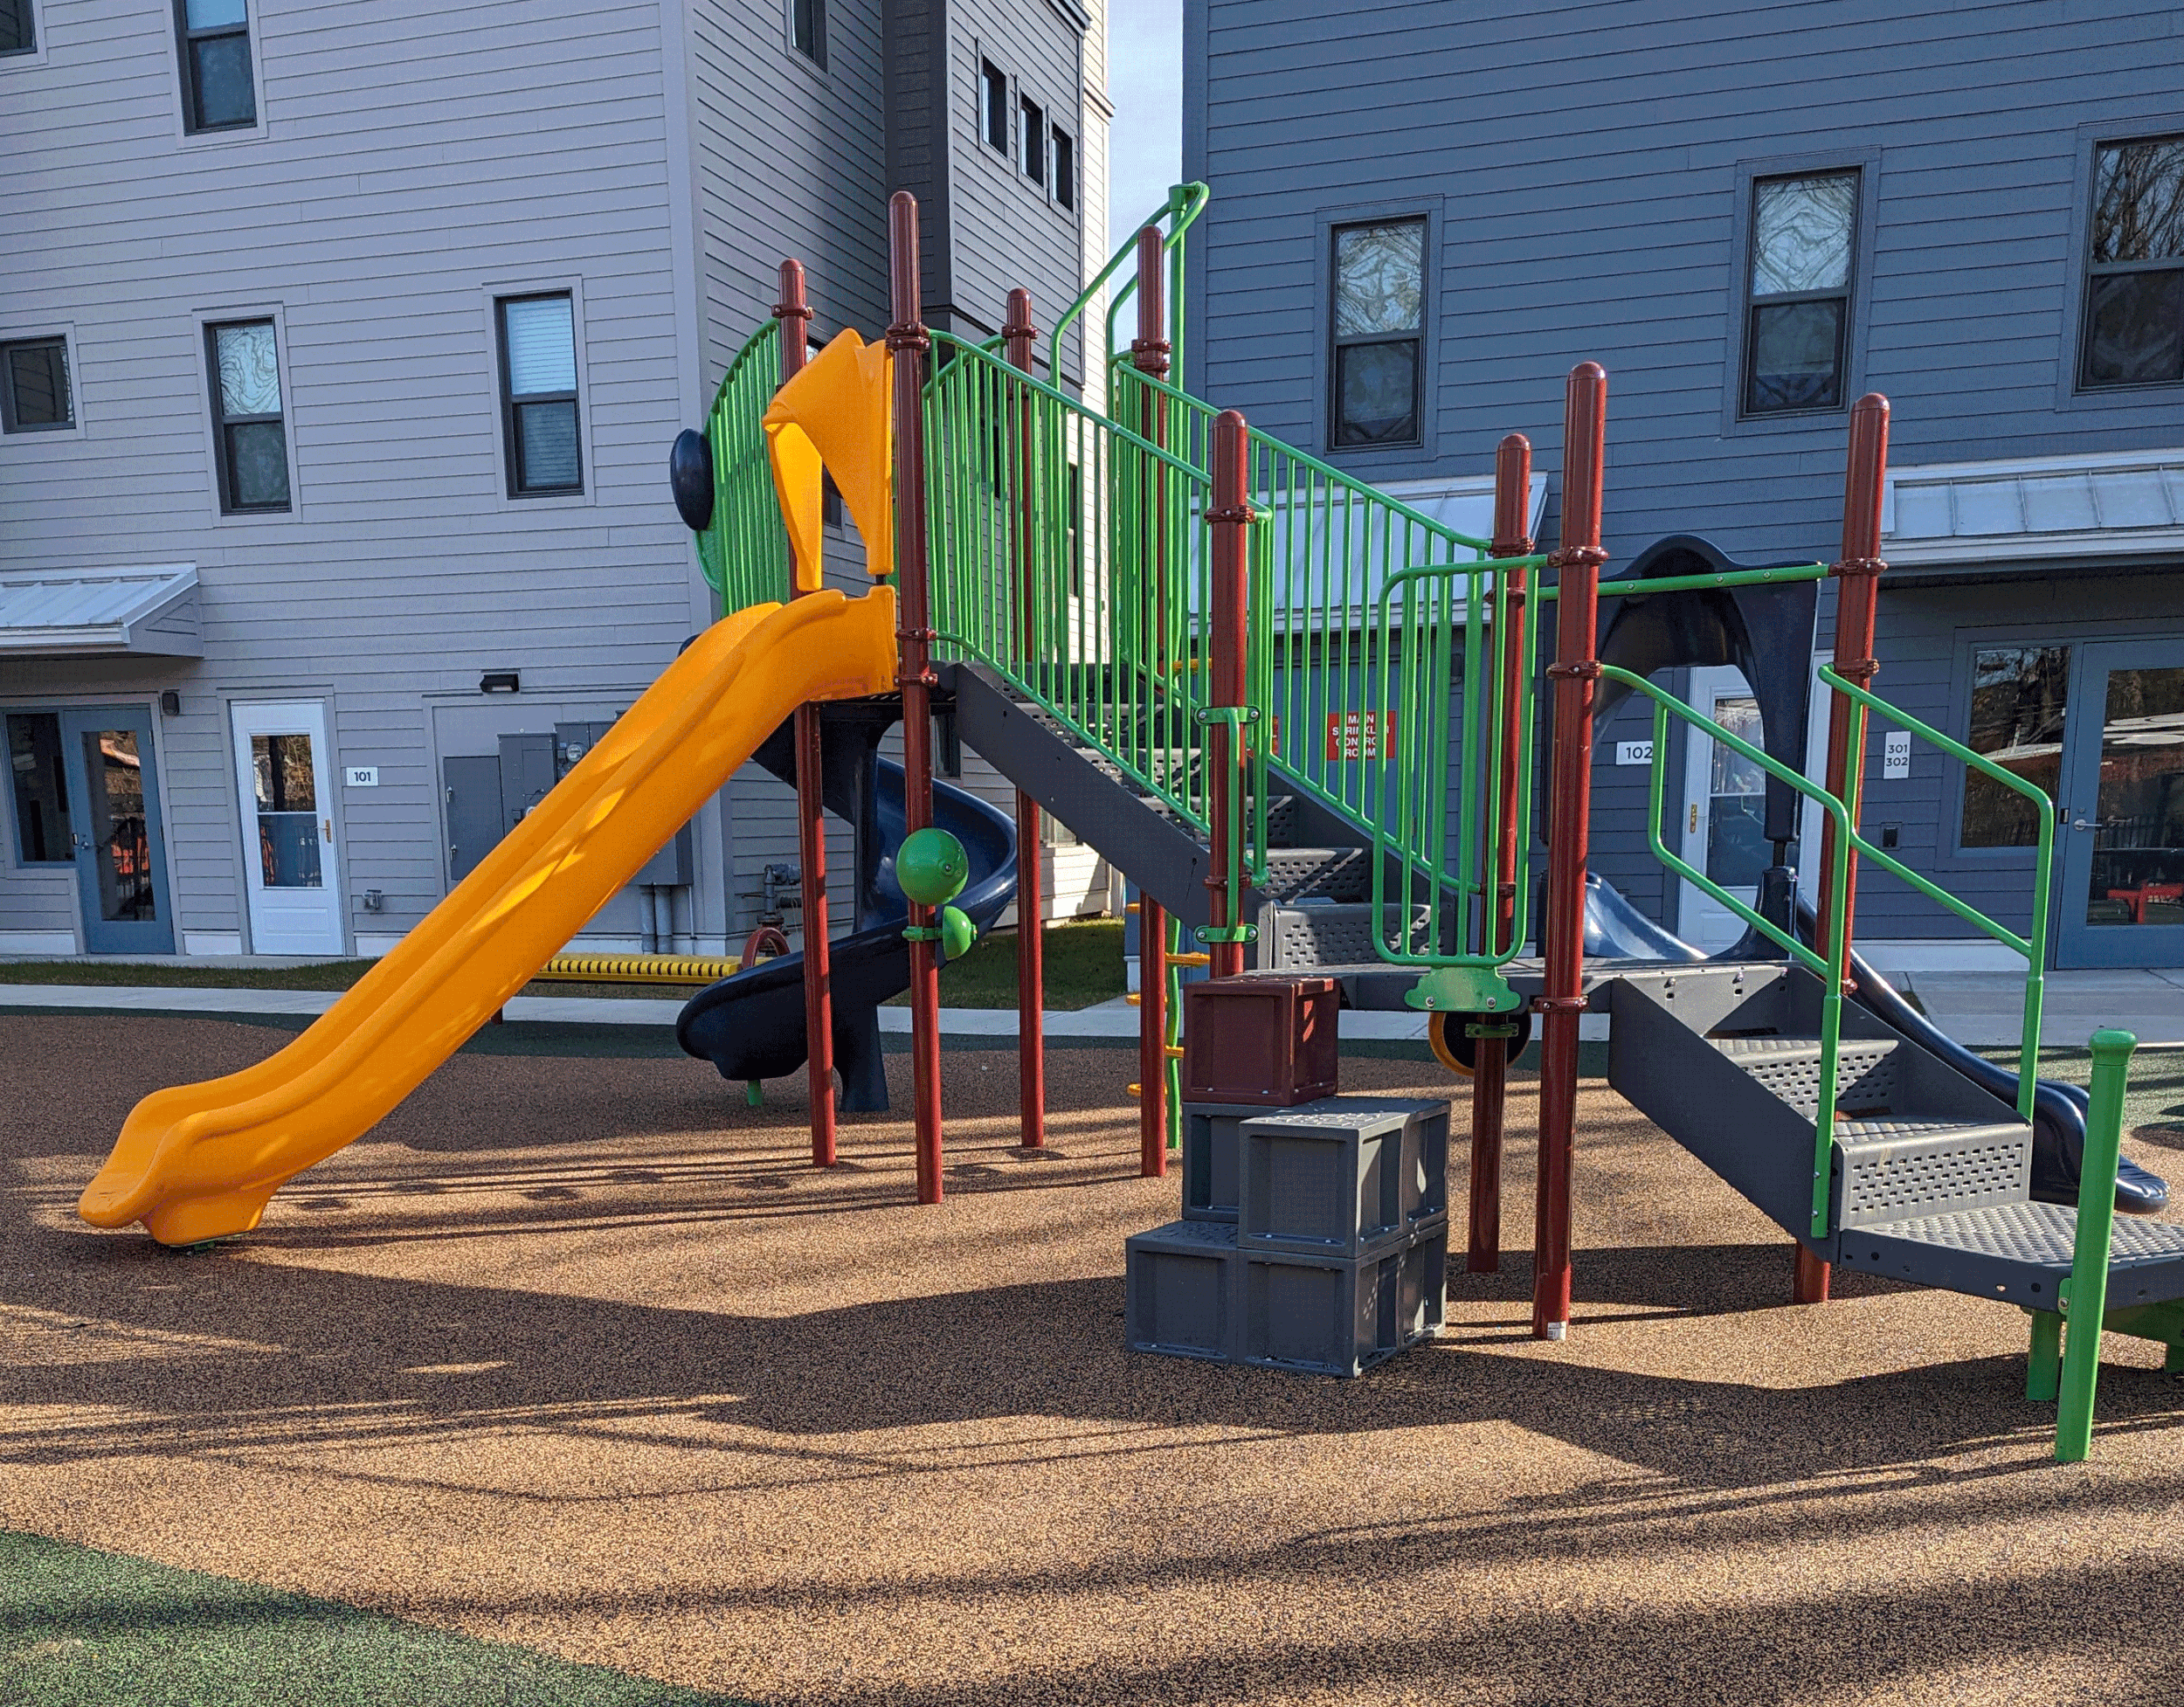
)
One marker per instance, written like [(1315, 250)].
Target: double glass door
[(114, 829), (2121, 830)]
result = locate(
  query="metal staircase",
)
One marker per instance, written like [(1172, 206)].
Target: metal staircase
[(1932, 1176)]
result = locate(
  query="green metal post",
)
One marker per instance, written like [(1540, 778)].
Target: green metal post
[(2043, 1363), (2088, 1302)]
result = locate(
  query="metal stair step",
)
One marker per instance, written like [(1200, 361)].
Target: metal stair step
[(1339, 874), (1294, 938), (1867, 1081), (2019, 1252), (1894, 1169)]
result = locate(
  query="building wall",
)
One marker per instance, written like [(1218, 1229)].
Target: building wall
[(411, 163), (1585, 168), (990, 227), (1582, 167)]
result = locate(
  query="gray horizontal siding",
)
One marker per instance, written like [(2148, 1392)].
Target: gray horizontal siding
[(1583, 160), (414, 162), (1590, 206)]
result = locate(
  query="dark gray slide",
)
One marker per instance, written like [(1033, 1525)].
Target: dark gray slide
[(751, 1025)]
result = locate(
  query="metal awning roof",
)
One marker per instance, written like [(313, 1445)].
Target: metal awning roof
[(100, 612), (2052, 509)]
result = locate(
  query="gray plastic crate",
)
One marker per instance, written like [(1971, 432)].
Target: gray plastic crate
[(1179, 1293), (1342, 1315), (1343, 1176), (1212, 1137)]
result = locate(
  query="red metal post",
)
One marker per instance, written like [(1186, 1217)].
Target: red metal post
[(1230, 519), (1148, 353), (1857, 589), (1575, 672), (795, 315), (908, 341), (1489, 1077), (1030, 943)]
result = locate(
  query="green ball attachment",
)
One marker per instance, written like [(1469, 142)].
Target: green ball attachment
[(957, 932), (931, 867)]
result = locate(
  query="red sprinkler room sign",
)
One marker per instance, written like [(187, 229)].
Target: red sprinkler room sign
[(1360, 735)]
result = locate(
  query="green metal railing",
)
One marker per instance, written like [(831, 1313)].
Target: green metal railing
[(1372, 662), (1829, 963), (2033, 946), (1186, 201), (744, 551), (1029, 487)]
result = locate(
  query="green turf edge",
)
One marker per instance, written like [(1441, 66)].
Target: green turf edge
[(80, 1626)]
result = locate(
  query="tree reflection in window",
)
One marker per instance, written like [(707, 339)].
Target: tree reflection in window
[(2018, 698)]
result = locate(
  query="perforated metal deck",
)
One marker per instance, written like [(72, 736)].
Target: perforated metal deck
[(2017, 1251), (1866, 1078)]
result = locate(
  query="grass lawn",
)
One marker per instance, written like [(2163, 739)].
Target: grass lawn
[(2154, 1098), (319, 974), (84, 1629), (1084, 966)]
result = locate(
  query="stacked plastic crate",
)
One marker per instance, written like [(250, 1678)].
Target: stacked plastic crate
[(1315, 1229)]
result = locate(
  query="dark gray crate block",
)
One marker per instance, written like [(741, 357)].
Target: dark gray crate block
[(1179, 1290), (1342, 1315), (1342, 1176), (1212, 1137)]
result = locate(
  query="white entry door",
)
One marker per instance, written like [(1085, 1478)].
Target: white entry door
[(288, 863), (1724, 808)]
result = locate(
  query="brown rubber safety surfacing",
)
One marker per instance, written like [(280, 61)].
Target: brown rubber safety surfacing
[(579, 1353)]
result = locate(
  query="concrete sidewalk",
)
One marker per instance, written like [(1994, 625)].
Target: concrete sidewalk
[(1982, 1009), (1113, 1019), (1986, 1009)]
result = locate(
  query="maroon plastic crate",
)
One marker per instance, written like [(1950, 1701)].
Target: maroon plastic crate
[(1268, 1042)]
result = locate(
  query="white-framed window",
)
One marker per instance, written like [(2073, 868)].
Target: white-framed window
[(994, 106), (219, 85), (1065, 169), (35, 393), (18, 28), (807, 30)]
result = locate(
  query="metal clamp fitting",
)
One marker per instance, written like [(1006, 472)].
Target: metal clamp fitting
[(1586, 669), (908, 335), (1577, 556), (1560, 1003), (1858, 566)]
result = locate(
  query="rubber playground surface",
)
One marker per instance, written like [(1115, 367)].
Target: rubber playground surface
[(572, 1363)]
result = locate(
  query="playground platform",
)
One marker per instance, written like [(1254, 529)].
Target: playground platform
[(581, 1355)]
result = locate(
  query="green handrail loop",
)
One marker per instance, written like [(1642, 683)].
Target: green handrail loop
[(1625, 585), (1185, 203), (2033, 947), (744, 551), (1828, 963), (1238, 867)]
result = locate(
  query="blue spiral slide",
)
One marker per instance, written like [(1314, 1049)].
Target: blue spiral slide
[(751, 1025)]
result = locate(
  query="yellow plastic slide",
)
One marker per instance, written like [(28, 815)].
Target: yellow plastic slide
[(200, 1161)]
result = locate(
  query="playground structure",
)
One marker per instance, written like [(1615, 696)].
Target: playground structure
[(1300, 715)]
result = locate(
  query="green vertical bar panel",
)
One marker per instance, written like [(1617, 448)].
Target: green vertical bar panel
[(2088, 1302)]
